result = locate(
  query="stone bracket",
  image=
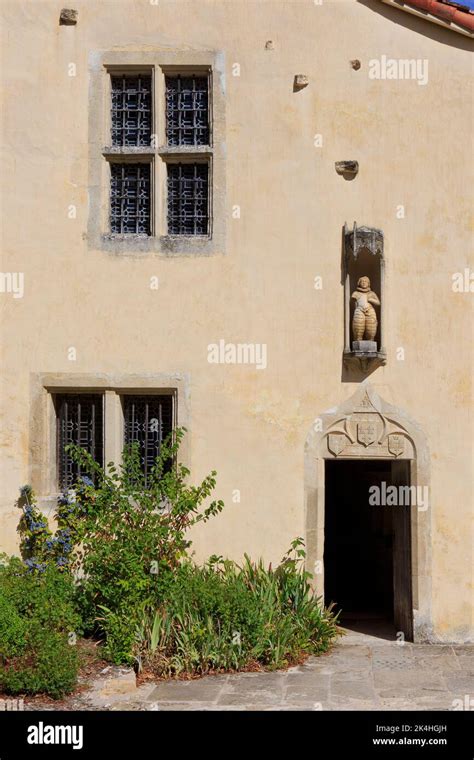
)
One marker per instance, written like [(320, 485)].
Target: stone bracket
[(365, 361)]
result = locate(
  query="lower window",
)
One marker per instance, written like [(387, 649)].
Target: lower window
[(188, 199), (130, 193), (79, 420), (148, 420)]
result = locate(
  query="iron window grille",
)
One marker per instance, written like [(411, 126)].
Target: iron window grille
[(79, 420), (187, 110), (188, 198), (131, 114), (130, 198), (148, 421)]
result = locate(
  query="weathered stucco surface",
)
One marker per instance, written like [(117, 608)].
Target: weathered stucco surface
[(251, 425)]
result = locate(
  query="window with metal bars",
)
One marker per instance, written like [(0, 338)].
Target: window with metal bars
[(130, 198), (131, 115), (148, 421), (187, 110), (79, 420), (188, 198)]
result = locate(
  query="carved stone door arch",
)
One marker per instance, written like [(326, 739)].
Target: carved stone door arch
[(367, 427)]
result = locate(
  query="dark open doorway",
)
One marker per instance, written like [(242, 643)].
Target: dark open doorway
[(367, 552)]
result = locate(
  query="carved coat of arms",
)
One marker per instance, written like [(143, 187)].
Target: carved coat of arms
[(336, 443), (366, 433), (396, 444)]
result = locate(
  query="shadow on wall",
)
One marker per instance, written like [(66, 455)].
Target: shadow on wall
[(418, 25)]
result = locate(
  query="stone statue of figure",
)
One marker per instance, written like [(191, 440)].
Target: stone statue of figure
[(364, 321)]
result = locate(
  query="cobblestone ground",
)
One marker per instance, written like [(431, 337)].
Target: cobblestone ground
[(361, 672)]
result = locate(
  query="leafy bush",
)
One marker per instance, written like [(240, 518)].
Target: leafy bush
[(12, 629), (125, 540), (127, 534), (226, 617), (38, 623), (47, 596), (47, 663)]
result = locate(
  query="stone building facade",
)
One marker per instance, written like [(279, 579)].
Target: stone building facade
[(176, 245)]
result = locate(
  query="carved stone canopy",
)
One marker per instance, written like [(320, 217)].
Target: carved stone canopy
[(366, 427), (368, 238)]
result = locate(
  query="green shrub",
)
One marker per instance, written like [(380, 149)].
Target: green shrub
[(47, 595), (128, 534), (47, 664), (126, 541), (12, 629), (119, 627), (226, 617), (38, 629)]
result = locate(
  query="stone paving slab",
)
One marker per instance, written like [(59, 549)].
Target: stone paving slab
[(199, 689), (253, 688), (360, 673)]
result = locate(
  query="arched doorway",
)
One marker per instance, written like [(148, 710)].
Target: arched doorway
[(367, 443)]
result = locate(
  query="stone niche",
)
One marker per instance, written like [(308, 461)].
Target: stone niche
[(364, 303)]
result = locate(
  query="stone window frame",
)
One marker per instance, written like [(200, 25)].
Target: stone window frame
[(42, 445), (101, 153)]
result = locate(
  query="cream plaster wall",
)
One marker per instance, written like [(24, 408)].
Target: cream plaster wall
[(412, 143)]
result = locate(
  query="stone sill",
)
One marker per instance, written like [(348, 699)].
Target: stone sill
[(185, 150), (164, 150), (128, 150), (137, 245)]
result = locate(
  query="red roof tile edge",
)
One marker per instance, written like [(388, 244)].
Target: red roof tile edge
[(450, 13)]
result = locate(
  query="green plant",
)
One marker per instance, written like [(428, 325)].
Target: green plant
[(226, 617), (39, 547), (33, 529), (129, 535), (49, 596), (12, 629), (47, 663), (38, 629)]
